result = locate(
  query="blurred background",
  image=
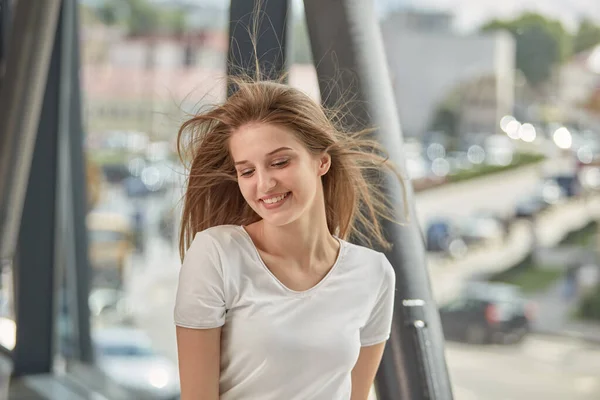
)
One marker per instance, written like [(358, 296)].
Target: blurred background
[(499, 103)]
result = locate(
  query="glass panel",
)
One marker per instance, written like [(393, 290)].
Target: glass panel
[(146, 66), (510, 98)]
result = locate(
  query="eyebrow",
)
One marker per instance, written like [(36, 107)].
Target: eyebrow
[(268, 154)]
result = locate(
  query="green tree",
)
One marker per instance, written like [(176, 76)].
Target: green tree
[(587, 36), (445, 119), (108, 13), (142, 17), (541, 44)]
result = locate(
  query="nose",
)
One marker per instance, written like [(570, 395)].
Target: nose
[(266, 181)]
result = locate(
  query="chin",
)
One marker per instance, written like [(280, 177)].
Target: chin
[(278, 220)]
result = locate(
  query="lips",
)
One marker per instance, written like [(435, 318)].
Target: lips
[(274, 199)]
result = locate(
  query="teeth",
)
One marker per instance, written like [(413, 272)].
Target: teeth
[(273, 200)]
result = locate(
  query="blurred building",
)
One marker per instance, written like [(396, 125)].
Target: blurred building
[(152, 83), (579, 87), (432, 66)]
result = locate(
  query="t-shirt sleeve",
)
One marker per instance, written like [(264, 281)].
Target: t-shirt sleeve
[(200, 298), (379, 325)]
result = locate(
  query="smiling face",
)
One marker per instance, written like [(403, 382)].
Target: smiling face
[(276, 174)]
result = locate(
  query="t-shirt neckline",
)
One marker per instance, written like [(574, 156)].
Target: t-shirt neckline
[(338, 260)]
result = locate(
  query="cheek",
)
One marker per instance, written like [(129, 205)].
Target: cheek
[(304, 180)]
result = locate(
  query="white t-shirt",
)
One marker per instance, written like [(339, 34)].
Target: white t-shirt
[(277, 343)]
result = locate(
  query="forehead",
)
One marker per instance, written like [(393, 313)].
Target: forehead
[(254, 140)]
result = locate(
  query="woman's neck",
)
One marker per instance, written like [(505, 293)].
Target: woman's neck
[(306, 242)]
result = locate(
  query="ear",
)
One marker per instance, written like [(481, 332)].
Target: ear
[(324, 164)]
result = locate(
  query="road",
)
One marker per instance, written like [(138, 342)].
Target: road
[(498, 192), (541, 368)]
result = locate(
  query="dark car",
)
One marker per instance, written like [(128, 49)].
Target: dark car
[(569, 184), (482, 228), (529, 206), (440, 234), (135, 187), (487, 313)]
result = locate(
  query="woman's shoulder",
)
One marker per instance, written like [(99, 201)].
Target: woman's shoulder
[(220, 237), (370, 267), (362, 252), (219, 233), (367, 257)]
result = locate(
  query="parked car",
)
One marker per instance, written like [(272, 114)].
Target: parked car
[(487, 313), (568, 183), (110, 306), (110, 246), (443, 236), (529, 206), (127, 357), (551, 192), (115, 173), (482, 228)]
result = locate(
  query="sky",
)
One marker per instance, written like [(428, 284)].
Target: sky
[(469, 14)]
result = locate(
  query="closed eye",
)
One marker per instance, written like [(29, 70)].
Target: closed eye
[(246, 172), (280, 164)]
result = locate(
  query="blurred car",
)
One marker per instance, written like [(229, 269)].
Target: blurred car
[(127, 357), (545, 194), (487, 313), (110, 244), (443, 236), (110, 306), (551, 192), (529, 206), (115, 173), (482, 228), (135, 187), (568, 183)]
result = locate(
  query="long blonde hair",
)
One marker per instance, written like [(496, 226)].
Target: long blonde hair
[(354, 201)]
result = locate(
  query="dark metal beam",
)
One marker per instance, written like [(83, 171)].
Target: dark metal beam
[(34, 273), (345, 38), (4, 30), (21, 96), (71, 243), (268, 27), (52, 245), (78, 189)]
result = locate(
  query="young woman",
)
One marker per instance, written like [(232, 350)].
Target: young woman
[(273, 303)]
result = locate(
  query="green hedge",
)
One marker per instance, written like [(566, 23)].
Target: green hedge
[(529, 276), (521, 159), (589, 307), (583, 237)]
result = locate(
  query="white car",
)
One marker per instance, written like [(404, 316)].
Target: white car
[(126, 356)]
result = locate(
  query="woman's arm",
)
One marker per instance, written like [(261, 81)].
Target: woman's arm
[(363, 373), (199, 352)]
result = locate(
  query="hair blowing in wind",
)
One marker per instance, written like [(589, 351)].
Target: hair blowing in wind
[(354, 201)]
